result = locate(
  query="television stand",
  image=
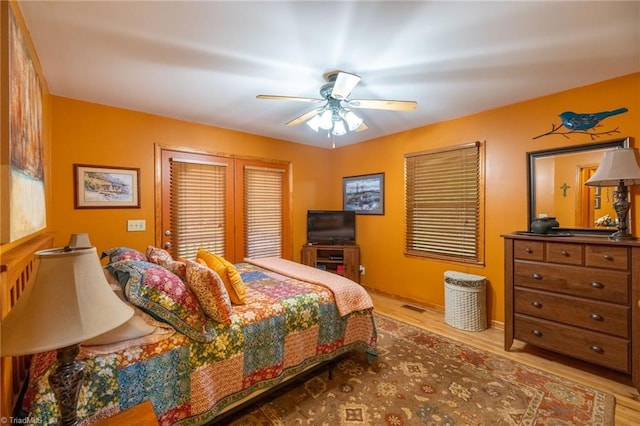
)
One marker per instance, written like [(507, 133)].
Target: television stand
[(336, 258)]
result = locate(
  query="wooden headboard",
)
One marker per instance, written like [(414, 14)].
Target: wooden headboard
[(16, 268)]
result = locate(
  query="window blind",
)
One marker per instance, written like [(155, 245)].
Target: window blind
[(197, 207), (263, 220), (442, 192)]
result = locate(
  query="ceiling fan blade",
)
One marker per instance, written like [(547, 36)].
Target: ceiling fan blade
[(288, 98), (383, 104), (344, 84), (361, 127), (304, 117)]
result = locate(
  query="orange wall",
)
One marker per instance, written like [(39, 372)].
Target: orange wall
[(507, 134), (86, 133), (94, 134)]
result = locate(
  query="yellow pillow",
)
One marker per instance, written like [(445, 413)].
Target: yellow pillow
[(228, 273)]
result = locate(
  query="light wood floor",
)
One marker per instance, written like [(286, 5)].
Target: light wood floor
[(492, 340)]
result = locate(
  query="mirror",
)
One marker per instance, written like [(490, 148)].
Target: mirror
[(556, 180)]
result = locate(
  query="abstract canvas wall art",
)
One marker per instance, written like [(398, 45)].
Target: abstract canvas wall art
[(23, 184)]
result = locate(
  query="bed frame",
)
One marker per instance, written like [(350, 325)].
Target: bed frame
[(16, 268)]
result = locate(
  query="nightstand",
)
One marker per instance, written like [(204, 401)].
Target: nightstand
[(139, 415)]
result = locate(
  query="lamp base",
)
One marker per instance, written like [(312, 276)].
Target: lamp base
[(622, 236), (621, 205), (65, 382)]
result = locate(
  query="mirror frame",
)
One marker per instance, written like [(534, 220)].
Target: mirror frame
[(533, 155)]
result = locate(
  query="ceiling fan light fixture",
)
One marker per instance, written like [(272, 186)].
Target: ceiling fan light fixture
[(353, 121), (326, 119), (335, 115), (338, 128), (314, 123)]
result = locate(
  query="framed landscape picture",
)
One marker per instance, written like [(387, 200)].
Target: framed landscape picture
[(364, 194), (105, 187)]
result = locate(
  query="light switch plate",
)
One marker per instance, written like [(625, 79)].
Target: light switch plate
[(136, 225)]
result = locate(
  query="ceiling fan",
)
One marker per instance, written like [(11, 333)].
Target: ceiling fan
[(335, 115)]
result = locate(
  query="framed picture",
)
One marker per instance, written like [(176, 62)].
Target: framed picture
[(364, 194), (22, 185), (104, 187)]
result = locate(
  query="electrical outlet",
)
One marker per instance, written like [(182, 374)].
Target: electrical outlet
[(136, 225), (361, 270)]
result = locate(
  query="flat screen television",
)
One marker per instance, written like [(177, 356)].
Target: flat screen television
[(331, 227)]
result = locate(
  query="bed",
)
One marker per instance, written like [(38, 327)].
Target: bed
[(198, 353)]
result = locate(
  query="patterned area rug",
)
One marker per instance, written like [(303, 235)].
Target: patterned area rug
[(422, 378)]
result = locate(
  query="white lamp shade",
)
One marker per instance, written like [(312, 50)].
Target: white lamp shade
[(326, 119), (617, 165), (338, 128), (314, 123), (67, 302), (353, 121), (344, 84)]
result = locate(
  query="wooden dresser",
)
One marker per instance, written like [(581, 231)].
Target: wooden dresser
[(576, 295)]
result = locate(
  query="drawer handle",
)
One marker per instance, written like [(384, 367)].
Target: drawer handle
[(528, 250), (537, 276), (608, 257), (596, 284), (565, 254), (597, 317), (537, 333), (597, 349), (536, 304)]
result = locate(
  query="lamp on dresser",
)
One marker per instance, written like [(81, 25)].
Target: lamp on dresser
[(67, 301), (619, 168)]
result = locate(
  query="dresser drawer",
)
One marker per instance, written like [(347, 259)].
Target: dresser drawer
[(589, 314), (609, 351), (568, 254), (528, 250), (598, 284), (607, 257)]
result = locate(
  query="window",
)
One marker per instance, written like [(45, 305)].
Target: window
[(443, 204), (263, 207), (197, 219), (233, 207)]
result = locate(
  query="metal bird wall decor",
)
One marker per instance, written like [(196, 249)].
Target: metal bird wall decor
[(583, 123)]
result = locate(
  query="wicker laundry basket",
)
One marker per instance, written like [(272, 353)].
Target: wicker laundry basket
[(465, 299)]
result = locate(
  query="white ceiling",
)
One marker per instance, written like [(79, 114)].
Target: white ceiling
[(206, 61)]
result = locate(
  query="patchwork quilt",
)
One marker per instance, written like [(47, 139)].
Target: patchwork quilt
[(287, 325)]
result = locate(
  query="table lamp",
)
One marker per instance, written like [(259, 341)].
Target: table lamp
[(80, 240), (67, 301), (618, 167)]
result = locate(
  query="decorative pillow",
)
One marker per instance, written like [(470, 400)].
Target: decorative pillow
[(210, 291), (156, 255), (164, 259), (117, 254), (162, 294), (228, 273), (177, 267)]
